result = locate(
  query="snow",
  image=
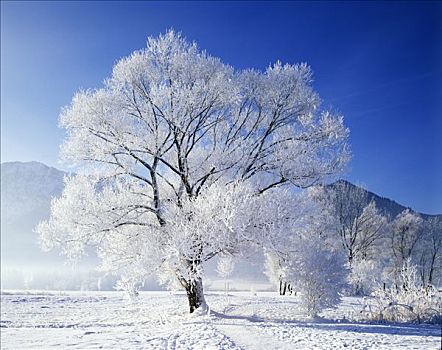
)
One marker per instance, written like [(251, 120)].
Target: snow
[(159, 320)]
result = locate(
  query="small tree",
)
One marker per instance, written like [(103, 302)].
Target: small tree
[(186, 156), (305, 258), (429, 252), (225, 269), (319, 274), (359, 229), (359, 224), (275, 268), (365, 276), (405, 234)]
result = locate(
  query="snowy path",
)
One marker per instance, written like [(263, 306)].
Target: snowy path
[(246, 337), (274, 324), (240, 326), (159, 321)]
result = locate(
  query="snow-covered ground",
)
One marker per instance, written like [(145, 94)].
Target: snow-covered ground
[(159, 320)]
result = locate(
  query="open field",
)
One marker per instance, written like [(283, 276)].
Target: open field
[(159, 320)]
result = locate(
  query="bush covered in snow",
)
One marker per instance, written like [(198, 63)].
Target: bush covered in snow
[(319, 275), (306, 259), (409, 301), (365, 276)]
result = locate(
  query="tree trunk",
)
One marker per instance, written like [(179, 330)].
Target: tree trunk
[(430, 275), (350, 257), (282, 287), (290, 287), (195, 294)]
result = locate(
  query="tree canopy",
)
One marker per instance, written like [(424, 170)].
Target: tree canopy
[(180, 157)]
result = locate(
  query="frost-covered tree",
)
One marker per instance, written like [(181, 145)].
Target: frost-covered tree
[(225, 268), (405, 234), (180, 159), (312, 268), (365, 276), (359, 231), (359, 223), (306, 259), (429, 255), (276, 269), (311, 219), (319, 274)]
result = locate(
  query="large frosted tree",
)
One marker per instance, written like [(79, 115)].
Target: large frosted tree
[(180, 158)]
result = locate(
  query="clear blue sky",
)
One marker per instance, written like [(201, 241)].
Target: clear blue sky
[(379, 64)]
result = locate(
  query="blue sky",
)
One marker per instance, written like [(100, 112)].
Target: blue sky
[(377, 63)]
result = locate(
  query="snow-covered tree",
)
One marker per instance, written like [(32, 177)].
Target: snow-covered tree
[(429, 255), (276, 269), (360, 230), (319, 274), (306, 259), (365, 276), (180, 159), (359, 224), (311, 220), (405, 234), (225, 268)]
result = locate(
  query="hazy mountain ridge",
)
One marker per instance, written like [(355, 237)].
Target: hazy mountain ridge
[(28, 187), (27, 190), (388, 206)]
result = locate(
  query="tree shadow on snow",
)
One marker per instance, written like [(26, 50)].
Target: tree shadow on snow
[(401, 329), (252, 318), (423, 330)]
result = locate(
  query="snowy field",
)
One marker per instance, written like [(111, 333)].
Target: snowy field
[(159, 320)]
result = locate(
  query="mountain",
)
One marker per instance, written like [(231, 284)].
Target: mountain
[(26, 193), (389, 207), (27, 189)]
